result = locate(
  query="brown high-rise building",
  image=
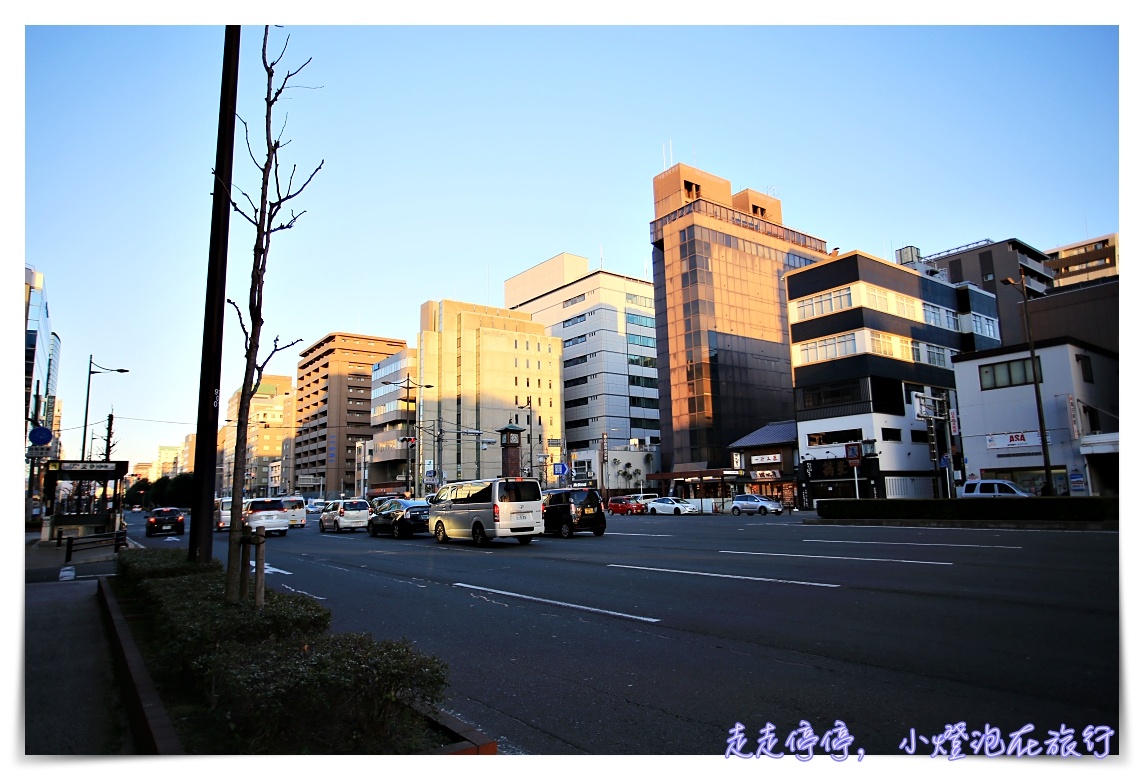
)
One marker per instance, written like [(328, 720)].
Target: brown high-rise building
[(722, 343), (332, 409)]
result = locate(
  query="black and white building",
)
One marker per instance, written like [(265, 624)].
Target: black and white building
[(872, 346)]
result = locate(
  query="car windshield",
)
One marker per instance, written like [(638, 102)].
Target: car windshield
[(520, 490), (267, 505), (166, 513), (355, 506)]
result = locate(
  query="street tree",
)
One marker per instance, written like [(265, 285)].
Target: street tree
[(279, 186)]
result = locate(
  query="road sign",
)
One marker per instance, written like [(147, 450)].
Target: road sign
[(560, 469), (40, 435), (853, 454), (39, 451)]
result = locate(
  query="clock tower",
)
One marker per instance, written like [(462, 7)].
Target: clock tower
[(510, 450)]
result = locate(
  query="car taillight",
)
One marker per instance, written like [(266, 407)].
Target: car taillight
[(496, 513), (151, 520), (180, 518)]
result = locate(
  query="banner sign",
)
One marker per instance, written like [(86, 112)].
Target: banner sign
[(756, 459), (1001, 441)]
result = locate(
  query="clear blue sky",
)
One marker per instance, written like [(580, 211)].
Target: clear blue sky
[(456, 157)]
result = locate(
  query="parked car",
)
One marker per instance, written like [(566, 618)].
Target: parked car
[(671, 506), (344, 514), (295, 511), (399, 516), (992, 488), (568, 510), (268, 513), (485, 509), (164, 520), (625, 505), (752, 504)]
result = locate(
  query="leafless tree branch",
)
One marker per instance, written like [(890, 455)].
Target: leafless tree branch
[(241, 322)]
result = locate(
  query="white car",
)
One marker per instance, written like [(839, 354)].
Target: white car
[(268, 513), (671, 506), (343, 514)]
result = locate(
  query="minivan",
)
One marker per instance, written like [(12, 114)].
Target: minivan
[(485, 509), (222, 514), (568, 510)]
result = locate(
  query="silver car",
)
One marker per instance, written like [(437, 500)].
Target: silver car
[(752, 503)]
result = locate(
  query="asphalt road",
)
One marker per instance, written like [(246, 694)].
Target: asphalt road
[(660, 636)]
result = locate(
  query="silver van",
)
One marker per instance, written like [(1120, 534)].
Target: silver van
[(485, 509)]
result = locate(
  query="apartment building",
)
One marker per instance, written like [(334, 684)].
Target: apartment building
[(481, 367), (1085, 261), (187, 456), (265, 433), (723, 354), (872, 344), (332, 409), (606, 324)]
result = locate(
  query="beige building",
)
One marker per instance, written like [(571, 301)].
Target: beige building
[(606, 324), (1083, 261), (266, 429), (167, 462), (332, 410), (142, 471), (484, 365), (187, 456)]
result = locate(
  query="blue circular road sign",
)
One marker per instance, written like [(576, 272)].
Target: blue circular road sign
[(40, 436)]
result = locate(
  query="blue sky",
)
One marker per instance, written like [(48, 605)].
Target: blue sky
[(456, 157)]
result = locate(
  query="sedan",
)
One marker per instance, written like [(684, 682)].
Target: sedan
[(164, 520), (671, 506), (400, 517), (349, 513)]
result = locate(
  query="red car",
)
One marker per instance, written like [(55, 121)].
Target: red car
[(624, 505)]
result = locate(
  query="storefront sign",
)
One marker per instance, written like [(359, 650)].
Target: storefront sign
[(757, 459), (1001, 441), (767, 474)]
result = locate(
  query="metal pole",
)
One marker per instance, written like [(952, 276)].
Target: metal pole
[(856, 482), (86, 404), (210, 367), (1049, 489)]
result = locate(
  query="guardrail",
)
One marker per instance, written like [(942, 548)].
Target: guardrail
[(117, 539)]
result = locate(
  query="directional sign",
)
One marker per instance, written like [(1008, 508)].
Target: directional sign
[(560, 469), (40, 435)]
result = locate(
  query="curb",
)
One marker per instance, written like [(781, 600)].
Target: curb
[(150, 724)]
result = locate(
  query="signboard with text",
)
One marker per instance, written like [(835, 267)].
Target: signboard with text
[(1001, 441)]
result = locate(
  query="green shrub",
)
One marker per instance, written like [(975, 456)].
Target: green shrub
[(135, 566), (339, 694), (191, 618)]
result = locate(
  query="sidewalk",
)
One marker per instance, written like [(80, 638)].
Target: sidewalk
[(72, 704)]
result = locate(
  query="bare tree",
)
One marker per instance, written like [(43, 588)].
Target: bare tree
[(267, 218)]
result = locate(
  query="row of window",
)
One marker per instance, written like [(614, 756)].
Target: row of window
[(576, 361), (640, 300), (880, 299), (574, 341), (639, 319), (1010, 373), (641, 360), (883, 344), (568, 323), (641, 341), (573, 301), (750, 247), (516, 345), (851, 435), (643, 423)]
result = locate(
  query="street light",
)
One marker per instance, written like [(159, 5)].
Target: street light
[(528, 406), (408, 384), (1047, 463), (87, 400)]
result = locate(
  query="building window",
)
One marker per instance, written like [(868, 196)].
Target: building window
[(826, 438), (573, 301), (641, 320), (577, 361), (574, 341), (640, 300), (919, 437), (568, 323), (877, 299), (829, 348), (1011, 373), (932, 314), (641, 341), (935, 355), (881, 344), (905, 307), (826, 303), (891, 434), (1085, 367)]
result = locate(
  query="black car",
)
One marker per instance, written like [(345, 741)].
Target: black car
[(399, 516), (164, 520), (568, 510)]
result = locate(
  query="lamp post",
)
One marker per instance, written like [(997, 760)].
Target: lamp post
[(408, 384), (91, 366), (1047, 463), (528, 406)]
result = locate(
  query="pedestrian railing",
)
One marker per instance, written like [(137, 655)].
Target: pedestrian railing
[(115, 539)]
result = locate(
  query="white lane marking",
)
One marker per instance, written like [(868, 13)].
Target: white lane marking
[(918, 544), (67, 573), (836, 557), (558, 603), (725, 576), (617, 533), (270, 569), (304, 593)]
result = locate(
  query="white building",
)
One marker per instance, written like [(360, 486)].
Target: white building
[(606, 322), (998, 422)]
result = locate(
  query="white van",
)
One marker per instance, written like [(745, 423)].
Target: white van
[(222, 514), (485, 509), (295, 511)]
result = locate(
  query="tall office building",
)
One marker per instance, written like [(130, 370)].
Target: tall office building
[(488, 367), (722, 348), (332, 409), (187, 456), (41, 353), (1084, 261), (606, 322), (393, 420), (167, 462)]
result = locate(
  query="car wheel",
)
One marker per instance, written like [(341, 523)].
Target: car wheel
[(398, 531), (371, 529), (678, 511), (735, 511), (566, 530), (480, 539), (524, 539), (147, 533), (439, 533), (337, 527), (653, 510), (321, 526), (283, 531), (598, 531)]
